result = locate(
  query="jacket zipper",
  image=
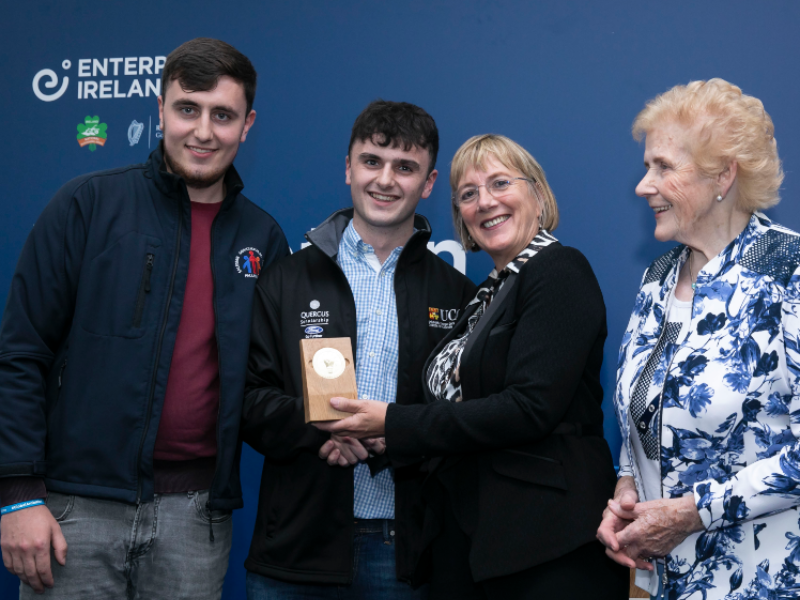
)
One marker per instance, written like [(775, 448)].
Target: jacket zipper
[(144, 289), (219, 368), (61, 372), (158, 355)]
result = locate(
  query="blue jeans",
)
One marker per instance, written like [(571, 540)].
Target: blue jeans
[(374, 575), (151, 551)]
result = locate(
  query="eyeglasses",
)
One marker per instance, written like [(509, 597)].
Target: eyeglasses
[(497, 188)]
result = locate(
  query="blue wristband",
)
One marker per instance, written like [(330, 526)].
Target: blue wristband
[(20, 505)]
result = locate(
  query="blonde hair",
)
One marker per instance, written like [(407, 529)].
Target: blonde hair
[(725, 125), (473, 154)]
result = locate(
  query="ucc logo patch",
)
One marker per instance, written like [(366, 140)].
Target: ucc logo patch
[(442, 318)]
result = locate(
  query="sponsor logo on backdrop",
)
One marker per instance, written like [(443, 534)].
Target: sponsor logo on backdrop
[(135, 132), (103, 78), (442, 318), (92, 133), (139, 131), (249, 262), (50, 83)]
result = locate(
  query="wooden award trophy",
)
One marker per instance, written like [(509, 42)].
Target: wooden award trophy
[(328, 371)]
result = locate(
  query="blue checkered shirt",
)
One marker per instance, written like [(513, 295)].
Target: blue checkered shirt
[(376, 355)]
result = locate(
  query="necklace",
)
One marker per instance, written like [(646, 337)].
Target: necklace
[(691, 273)]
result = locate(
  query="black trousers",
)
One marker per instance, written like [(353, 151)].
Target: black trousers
[(583, 574)]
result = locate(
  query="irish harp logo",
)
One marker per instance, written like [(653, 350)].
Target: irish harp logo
[(135, 130)]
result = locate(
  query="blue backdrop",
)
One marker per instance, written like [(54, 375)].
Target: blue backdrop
[(563, 78)]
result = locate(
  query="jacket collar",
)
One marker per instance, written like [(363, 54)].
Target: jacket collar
[(173, 185), (731, 255), (329, 233)]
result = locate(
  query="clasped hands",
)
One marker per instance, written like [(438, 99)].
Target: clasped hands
[(634, 531), (354, 438)]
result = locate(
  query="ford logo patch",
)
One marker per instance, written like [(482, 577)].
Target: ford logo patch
[(313, 330)]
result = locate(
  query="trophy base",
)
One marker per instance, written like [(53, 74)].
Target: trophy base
[(327, 379)]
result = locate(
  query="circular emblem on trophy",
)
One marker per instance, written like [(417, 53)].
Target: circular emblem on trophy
[(328, 363)]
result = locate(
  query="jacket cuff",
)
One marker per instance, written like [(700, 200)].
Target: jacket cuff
[(717, 506), (21, 489), (398, 432), (624, 471)]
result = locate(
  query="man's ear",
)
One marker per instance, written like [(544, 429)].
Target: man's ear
[(347, 169), (248, 123), (429, 183)]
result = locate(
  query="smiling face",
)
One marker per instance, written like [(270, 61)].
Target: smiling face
[(681, 197), (203, 130), (502, 226), (386, 185)]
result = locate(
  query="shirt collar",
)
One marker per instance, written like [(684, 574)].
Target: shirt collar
[(352, 247)]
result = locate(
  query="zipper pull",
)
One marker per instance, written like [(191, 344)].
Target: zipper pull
[(61, 372), (148, 271)]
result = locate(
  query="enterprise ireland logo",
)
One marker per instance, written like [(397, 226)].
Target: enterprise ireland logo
[(103, 78)]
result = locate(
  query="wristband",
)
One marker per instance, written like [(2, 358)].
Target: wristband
[(20, 505)]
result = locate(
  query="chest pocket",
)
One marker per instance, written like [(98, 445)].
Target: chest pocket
[(119, 291)]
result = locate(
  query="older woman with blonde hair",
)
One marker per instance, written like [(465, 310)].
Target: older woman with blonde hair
[(708, 382), (511, 427)]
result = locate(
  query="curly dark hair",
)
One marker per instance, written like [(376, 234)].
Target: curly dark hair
[(397, 123)]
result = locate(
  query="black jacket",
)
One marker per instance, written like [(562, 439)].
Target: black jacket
[(90, 324), (304, 526), (525, 465)]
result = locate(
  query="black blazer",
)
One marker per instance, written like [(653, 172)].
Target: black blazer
[(522, 458)]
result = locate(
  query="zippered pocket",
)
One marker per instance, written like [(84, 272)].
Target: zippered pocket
[(144, 289)]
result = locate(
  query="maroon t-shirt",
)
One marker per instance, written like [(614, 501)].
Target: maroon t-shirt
[(188, 427)]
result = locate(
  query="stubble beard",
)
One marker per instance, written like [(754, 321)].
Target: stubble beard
[(195, 179)]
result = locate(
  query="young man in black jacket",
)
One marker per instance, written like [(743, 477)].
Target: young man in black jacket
[(367, 275), (122, 356)]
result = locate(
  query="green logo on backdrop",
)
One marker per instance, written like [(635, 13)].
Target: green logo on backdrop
[(92, 133)]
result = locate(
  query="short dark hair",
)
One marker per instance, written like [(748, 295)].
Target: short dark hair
[(398, 123), (199, 63)]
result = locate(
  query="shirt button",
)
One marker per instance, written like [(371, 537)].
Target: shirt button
[(378, 312), (365, 397), (383, 273), (651, 408), (371, 354)]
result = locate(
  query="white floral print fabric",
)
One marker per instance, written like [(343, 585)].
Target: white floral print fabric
[(730, 413)]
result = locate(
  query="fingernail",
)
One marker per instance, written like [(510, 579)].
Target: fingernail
[(335, 402)]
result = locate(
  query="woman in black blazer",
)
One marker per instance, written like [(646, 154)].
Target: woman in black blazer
[(511, 431)]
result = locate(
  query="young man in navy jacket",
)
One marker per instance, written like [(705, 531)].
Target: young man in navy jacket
[(367, 275), (122, 356)]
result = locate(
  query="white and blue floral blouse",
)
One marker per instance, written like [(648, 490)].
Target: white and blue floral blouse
[(729, 414)]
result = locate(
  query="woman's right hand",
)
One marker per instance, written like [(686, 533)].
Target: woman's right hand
[(625, 497)]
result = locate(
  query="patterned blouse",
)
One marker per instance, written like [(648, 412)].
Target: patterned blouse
[(443, 377)]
